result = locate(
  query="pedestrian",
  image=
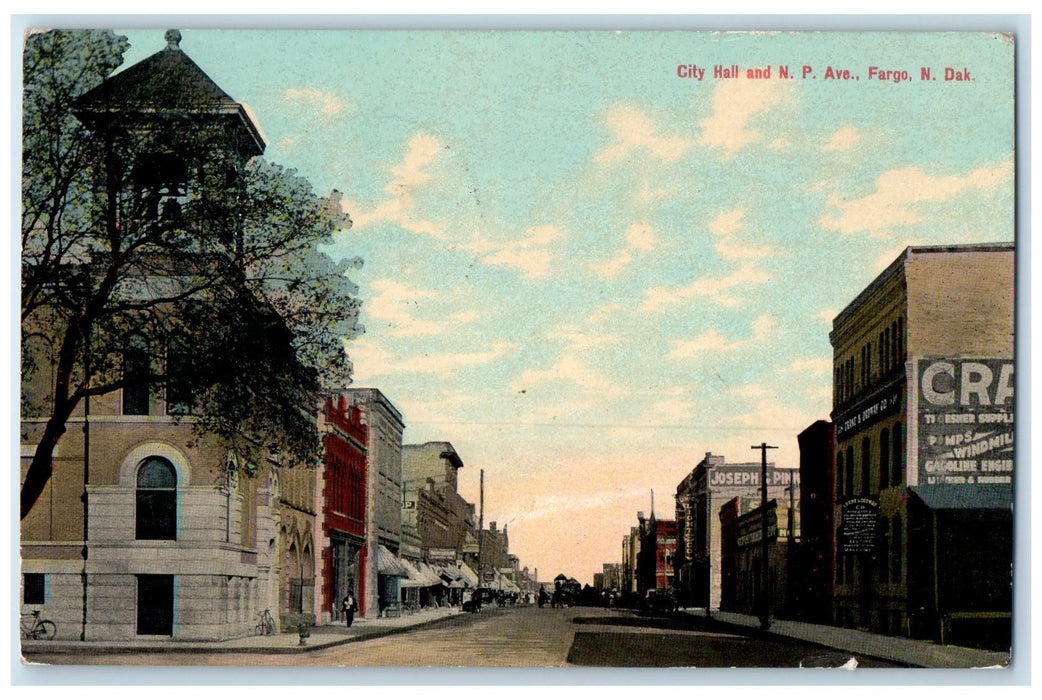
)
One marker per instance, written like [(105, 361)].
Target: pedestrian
[(349, 607)]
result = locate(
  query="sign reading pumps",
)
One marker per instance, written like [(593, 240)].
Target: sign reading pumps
[(965, 421)]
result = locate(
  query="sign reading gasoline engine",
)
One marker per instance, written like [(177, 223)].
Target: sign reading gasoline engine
[(965, 431)]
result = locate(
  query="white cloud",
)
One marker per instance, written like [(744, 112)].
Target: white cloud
[(409, 175), (370, 360), (725, 290), (394, 302), (810, 365), (633, 130), (604, 312), (826, 315), (843, 138), (640, 237), (716, 342), (898, 194), (309, 100), (726, 223), (447, 363), (529, 254), (724, 226), (569, 369), (735, 103)]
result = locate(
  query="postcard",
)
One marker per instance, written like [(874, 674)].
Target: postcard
[(483, 348)]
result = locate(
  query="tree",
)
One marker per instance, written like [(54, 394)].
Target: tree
[(161, 256)]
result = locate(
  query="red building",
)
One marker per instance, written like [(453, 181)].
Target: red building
[(658, 546), (344, 506)]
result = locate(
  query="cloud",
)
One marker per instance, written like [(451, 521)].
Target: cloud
[(410, 175), (725, 290), (826, 315), (726, 223), (898, 194), (810, 365), (529, 254), (843, 138), (393, 302), (604, 312), (569, 369), (735, 103), (633, 130), (716, 342), (310, 100), (371, 360), (447, 363), (639, 238)]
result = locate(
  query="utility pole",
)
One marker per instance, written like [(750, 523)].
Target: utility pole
[(765, 605), (481, 527)]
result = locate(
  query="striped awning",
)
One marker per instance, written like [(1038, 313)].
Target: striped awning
[(388, 564)]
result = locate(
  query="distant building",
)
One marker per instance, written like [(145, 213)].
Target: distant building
[(658, 545), (813, 573), (699, 498), (741, 537), (345, 553), (385, 425), (433, 508), (923, 413)]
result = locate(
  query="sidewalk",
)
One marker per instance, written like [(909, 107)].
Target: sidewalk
[(913, 652), (321, 637)]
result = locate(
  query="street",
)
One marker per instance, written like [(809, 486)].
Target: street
[(531, 637)]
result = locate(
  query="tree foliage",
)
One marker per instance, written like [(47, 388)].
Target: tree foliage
[(224, 291)]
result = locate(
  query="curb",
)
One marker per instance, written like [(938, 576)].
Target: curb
[(33, 647)]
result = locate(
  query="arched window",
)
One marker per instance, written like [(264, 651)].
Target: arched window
[(884, 458), (896, 466), (866, 465), (156, 500)]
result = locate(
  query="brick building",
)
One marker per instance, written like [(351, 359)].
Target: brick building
[(145, 529), (345, 496), (699, 497), (923, 414), (383, 571)]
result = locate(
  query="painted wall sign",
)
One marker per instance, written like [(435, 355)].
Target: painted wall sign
[(965, 421)]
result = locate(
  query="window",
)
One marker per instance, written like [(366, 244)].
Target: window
[(896, 467), (179, 397), (849, 476), (866, 465), (33, 589), (155, 604), (156, 500), (162, 183), (895, 550), (137, 368), (884, 458)]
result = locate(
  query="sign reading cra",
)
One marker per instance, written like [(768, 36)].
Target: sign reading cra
[(965, 421)]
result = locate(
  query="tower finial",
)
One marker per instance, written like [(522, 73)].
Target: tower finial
[(173, 38)]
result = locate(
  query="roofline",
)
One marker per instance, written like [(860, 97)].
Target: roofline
[(898, 264)]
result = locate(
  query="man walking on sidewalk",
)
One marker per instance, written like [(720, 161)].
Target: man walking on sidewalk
[(348, 607)]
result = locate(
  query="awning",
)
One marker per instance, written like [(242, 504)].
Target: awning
[(388, 564), (430, 575), (469, 576), (966, 496), (415, 579)]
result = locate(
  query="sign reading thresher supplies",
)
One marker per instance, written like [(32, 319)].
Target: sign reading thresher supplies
[(965, 421)]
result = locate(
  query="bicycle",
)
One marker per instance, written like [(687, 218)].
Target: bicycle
[(39, 629), (266, 626)]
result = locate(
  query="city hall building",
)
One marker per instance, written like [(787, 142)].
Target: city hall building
[(923, 416)]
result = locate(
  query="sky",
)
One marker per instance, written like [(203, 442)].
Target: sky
[(585, 269)]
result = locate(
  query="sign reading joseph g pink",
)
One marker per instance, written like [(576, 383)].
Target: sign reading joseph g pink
[(749, 475), (965, 421)]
